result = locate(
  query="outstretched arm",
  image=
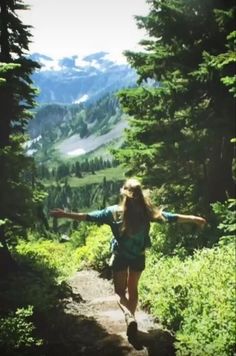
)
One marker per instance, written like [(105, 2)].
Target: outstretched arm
[(181, 218), (59, 213), (192, 219)]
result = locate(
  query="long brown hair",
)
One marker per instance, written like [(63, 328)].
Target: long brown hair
[(136, 207)]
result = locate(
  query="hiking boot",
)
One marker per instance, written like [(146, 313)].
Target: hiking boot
[(135, 342), (132, 325)]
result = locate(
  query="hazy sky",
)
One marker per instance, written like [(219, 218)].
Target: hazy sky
[(78, 27)]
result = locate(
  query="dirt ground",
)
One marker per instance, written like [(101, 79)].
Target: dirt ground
[(95, 325)]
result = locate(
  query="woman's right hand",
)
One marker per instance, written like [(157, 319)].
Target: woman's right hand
[(57, 213)]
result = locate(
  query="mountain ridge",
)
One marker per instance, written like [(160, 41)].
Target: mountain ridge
[(75, 79)]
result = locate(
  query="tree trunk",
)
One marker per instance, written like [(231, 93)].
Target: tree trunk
[(220, 177), (5, 97)]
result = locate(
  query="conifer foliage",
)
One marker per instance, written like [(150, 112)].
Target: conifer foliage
[(17, 99), (182, 122)]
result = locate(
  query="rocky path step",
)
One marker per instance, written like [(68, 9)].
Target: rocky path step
[(99, 306)]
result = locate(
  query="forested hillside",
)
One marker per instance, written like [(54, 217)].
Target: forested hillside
[(54, 125), (179, 142), (71, 147), (84, 119)]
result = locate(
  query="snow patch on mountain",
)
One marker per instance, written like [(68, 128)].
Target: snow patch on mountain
[(82, 99), (76, 146)]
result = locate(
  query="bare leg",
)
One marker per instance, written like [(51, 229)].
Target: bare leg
[(122, 280), (132, 283), (120, 285)]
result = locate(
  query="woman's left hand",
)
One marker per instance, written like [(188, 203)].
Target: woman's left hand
[(201, 222)]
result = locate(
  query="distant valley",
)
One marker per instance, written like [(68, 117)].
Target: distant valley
[(78, 111)]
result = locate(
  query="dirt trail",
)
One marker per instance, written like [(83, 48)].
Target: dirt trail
[(101, 325)]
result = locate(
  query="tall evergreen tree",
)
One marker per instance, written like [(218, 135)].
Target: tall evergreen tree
[(16, 98), (182, 121), (16, 92)]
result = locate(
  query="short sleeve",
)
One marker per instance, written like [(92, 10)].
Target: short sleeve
[(169, 217), (103, 216)]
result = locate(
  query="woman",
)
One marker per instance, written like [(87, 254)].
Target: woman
[(130, 224)]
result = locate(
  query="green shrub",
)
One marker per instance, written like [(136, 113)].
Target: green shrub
[(226, 215), (209, 321), (29, 288), (44, 266), (78, 237), (178, 239), (17, 331), (47, 257), (96, 252), (160, 289), (195, 298)]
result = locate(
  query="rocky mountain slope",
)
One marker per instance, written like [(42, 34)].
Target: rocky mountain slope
[(78, 109), (75, 130)]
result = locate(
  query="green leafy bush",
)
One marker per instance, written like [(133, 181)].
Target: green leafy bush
[(16, 330), (47, 257), (194, 297), (226, 215), (96, 252), (78, 237), (44, 265), (178, 239), (166, 240)]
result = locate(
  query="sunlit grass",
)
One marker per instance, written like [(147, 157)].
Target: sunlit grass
[(115, 173), (110, 174)]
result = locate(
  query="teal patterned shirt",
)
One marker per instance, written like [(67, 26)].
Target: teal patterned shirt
[(129, 247)]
